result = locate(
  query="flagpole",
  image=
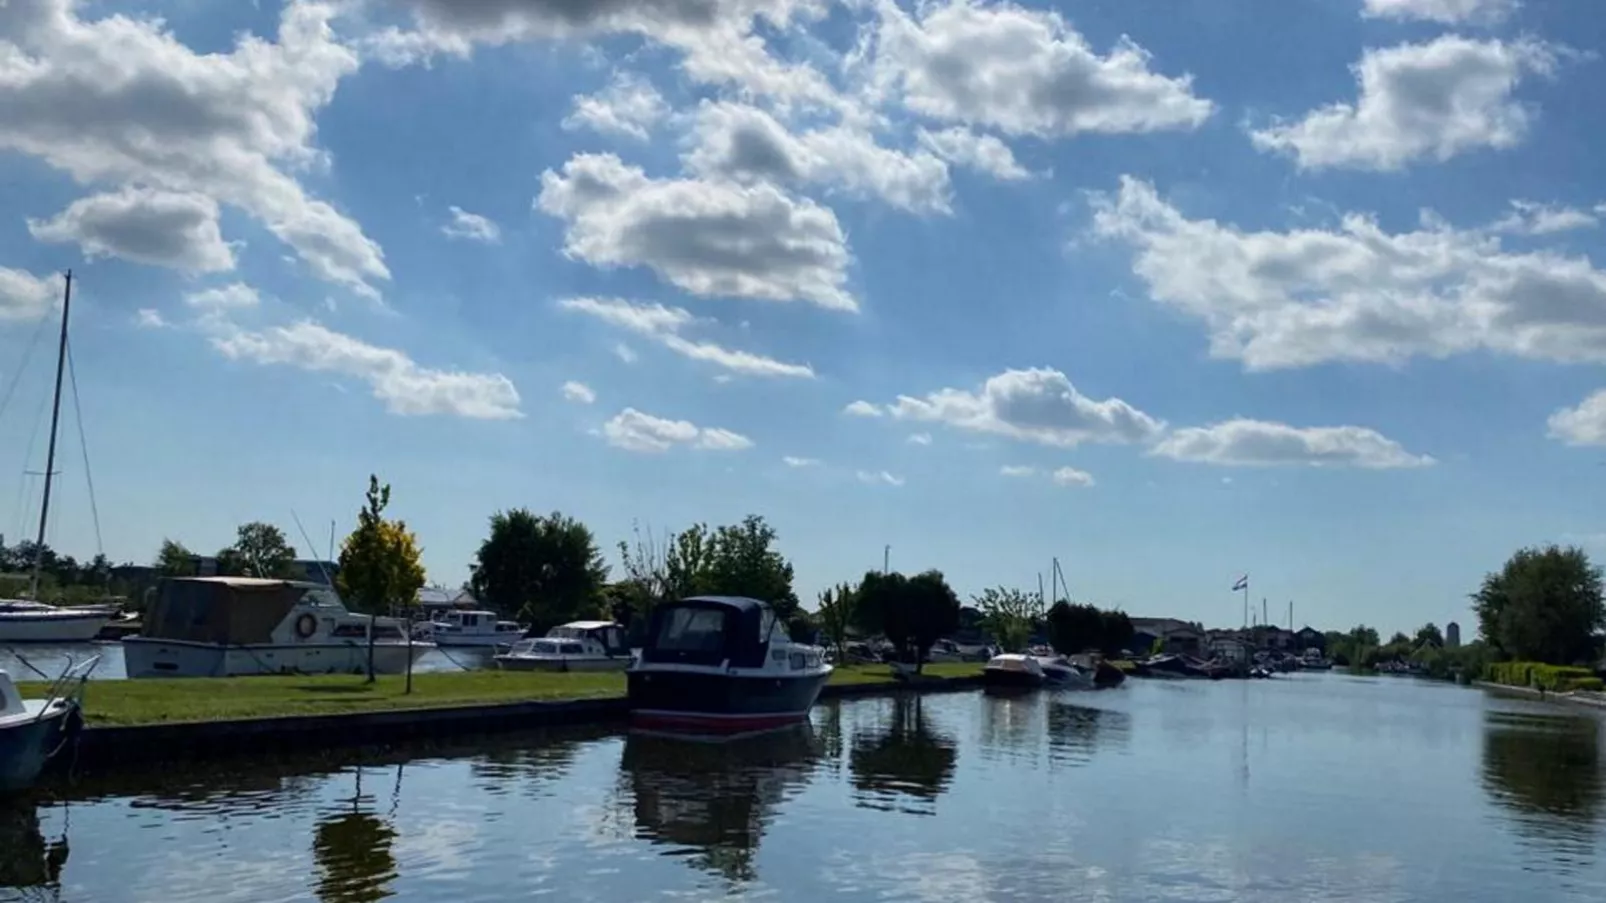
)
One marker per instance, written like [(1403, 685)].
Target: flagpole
[(1246, 602)]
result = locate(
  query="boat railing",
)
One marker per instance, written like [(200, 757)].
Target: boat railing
[(69, 686)]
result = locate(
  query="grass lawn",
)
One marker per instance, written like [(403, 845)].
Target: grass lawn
[(150, 701)]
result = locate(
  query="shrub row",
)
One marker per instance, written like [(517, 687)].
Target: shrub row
[(1555, 678)]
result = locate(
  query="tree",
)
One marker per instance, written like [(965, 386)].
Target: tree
[(379, 566), (259, 550), (835, 615), (1545, 605), (546, 569), (1428, 635), (1008, 615), (174, 560), (1399, 639), (1116, 632), (1075, 628), (912, 612), (733, 560)]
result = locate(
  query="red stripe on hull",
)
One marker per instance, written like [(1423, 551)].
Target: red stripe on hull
[(715, 723)]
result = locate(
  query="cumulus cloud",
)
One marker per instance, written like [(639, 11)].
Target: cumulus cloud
[(879, 477), (149, 318), (1532, 218), (981, 152), (1258, 443), (163, 228), (26, 297), (1023, 72), (747, 144), (1071, 477), (471, 226), (234, 296), (578, 392), (664, 325), (635, 431), (1444, 12), (1581, 425), (862, 409), (1354, 292), (1036, 405), (1419, 101), (710, 238), (120, 100), (629, 105)]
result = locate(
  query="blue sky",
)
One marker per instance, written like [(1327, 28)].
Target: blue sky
[(1170, 290)]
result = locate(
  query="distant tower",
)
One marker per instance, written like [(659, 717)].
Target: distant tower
[(1452, 635)]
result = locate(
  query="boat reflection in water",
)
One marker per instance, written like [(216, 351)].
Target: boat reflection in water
[(712, 800), (30, 865), (903, 765)]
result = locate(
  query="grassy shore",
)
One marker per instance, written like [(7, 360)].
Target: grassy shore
[(154, 701)]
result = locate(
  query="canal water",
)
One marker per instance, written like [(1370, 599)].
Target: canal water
[(1303, 788)]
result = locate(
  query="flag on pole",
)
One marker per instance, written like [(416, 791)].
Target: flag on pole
[(1243, 583)]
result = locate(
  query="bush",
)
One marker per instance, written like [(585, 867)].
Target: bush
[(1555, 678), (1592, 684)]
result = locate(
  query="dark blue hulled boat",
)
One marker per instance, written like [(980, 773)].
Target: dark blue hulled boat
[(34, 730), (722, 664)]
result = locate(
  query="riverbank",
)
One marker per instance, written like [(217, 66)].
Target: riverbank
[(1588, 698)]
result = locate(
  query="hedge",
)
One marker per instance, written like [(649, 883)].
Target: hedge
[(1555, 678)]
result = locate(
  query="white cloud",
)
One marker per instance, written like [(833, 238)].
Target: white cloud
[(163, 228), (629, 105), (984, 153), (471, 226), (120, 100), (1023, 71), (1532, 218), (1582, 425), (1445, 12), (920, 438), (149, 318), (1017, 470), (862, 409), (879, 477), (404, 386), (635, 431), (1036, 405), (1419, 101), (794, 461), (624, 353), (1357, 293), (1070, 476), (741, 142), (1257, 443), (24, 296), (235, 296), (711, 238), (578, 392), (664, 325)]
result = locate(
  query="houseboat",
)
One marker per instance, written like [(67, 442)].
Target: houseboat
[(468, 629), (575, 646), (722, 664), (230, 626)]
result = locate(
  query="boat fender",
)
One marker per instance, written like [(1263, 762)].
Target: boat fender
[(306, 625)]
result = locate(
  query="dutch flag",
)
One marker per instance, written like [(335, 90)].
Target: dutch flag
[(1243, 583)]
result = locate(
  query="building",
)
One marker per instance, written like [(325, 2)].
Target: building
[(1452, 635), (1233, 646), (1171, 635), (1310, 638), (438, 598)]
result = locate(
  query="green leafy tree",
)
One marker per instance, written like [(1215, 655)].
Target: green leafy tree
[(547, 569), (1009, 615), (912, 612), (1545, 605), (732, 560), (379, 566), (835, 615), (1075, 628), (1429, 635), (1116, 632), (174, 560), (259, 550)]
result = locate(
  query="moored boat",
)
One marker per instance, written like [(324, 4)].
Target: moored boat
[(1013, 671), (575, 646), (230, 626), (1062, 673), (469, 629), (22, 621), (33, 731), (722, 664)]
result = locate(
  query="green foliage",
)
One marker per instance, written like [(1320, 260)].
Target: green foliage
[(1428, 634), (1117, 632), (800, 627), (260, 550), (174, 559), (835, 615), (732, 560), (379, 566), (1359, 648), (1555, 678), (912, 612), (1075, 628), (1009, 615), (545, 569), (1590, 684), (1545, 605)]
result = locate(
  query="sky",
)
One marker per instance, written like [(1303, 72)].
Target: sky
[(1170, 291)]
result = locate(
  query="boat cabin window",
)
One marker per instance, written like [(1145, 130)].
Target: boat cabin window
[(572, 649), (692, 630), (766, 625)]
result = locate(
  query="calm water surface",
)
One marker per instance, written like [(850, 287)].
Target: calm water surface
[(1310, 788)]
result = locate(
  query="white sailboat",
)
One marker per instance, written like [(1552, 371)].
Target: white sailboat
[(27, 620)]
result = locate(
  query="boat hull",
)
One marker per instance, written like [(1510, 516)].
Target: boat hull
[(1009, 679), (709, 701), (26, 746), (475, 641), (534, 663), (147, 657), (52, 627)]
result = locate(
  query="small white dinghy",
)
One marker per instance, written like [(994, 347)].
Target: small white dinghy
[(32, 731), (575, 646)]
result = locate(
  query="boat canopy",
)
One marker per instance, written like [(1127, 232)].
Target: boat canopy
[(707, 630), (225, 610)]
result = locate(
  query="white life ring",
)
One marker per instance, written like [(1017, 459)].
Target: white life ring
[(306, 625)]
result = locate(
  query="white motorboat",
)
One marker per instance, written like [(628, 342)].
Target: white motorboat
[(22, 621), (32, 731), (1013, 671), (576, 646), (469, 629), (1061, 673), (229, 626)]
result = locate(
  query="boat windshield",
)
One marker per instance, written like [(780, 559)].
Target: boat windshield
[(692, 630)]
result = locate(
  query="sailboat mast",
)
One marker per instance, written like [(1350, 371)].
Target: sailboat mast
[(50, 456)]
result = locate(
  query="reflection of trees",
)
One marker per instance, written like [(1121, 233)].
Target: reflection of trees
[(715, 797), (1546, 769), (903, 765), (353, 853), (1076, 732), (531, 762), (28, 862)]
